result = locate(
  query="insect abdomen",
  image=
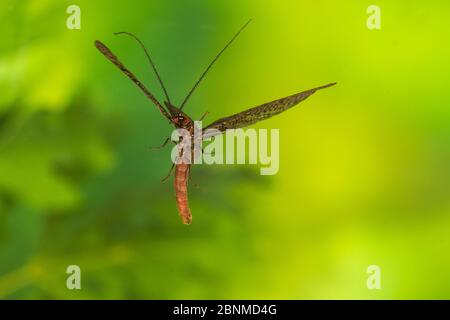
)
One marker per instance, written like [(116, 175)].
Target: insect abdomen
[(181, 176)]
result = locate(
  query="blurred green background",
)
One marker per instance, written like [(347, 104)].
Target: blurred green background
[(364, 167)]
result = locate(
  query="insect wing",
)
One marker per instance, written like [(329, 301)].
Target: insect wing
[(259, 113), (113, 58)]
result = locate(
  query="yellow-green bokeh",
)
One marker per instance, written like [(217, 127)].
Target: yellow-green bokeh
[(364, 167)]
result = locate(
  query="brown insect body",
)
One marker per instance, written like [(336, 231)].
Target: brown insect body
[(181, 194), (182, 121)]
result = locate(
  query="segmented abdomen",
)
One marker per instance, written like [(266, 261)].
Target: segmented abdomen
[(181, 177)]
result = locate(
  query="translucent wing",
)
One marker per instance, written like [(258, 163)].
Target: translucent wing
[(259, 113)]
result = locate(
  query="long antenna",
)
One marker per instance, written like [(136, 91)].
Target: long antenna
[(211, 64), (149, 59)]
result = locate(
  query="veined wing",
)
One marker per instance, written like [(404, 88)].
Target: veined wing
[(259, 113), (112, 57)]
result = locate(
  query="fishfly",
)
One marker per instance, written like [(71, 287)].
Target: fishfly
[(181, 120)]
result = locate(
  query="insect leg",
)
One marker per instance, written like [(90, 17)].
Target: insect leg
[(161, 146), (190, 179), (170, 172), (204, 115)]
